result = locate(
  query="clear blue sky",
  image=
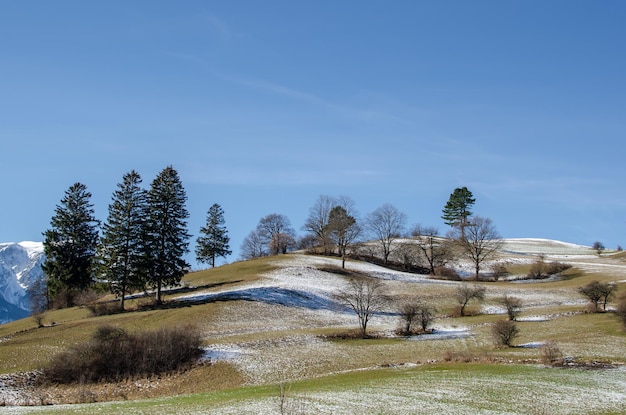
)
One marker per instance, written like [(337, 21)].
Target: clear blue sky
[(262, 106)]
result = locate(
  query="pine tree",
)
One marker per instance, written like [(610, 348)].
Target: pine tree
[(121, 245), (215, 242), (166, 239), (457, 209), (343, 230), (70, 246)]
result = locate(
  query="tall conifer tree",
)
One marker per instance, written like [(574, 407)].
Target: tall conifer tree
[(70, 246), (457, 209), (215, 242), (166, 238), (121, 248)]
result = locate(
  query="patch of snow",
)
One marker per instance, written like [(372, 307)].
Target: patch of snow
[(532, 345), (444, 334)]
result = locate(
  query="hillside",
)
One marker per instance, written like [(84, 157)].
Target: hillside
[(276, 321)]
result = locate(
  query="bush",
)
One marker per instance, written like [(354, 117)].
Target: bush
[(445, 273), (113, 355), (104, 309), (551, 354), (541, 270), (500, 271), (503, 332)]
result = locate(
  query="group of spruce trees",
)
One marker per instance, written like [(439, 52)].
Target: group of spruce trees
[(142, 243)]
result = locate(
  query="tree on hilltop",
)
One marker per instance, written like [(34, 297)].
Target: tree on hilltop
[(317, 221), (121, 246), (70, 246), (479, 241), (166, 239), (343, 229), (386, 225), (275, 229), (215, 240), (457, 210)]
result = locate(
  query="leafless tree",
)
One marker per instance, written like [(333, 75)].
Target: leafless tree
[(317, 221), (598, 247), (364, 296), (437, 252), (253, 246), (479, 241), (465, 293), (503, 332), (407, 254), (597, 292), (513, 306), (277, 232), (408, 314), (386, 224)]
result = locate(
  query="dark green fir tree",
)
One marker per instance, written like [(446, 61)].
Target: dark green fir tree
[(457, 209), (166, 239), (214, 239), (121, 247), (70, 246)]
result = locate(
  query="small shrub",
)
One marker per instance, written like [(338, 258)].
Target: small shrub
[(445, 273), (554, 268), (113, 355), (85, 298), (513, 306), (551, 354), (104, 309), (503, 332), (542, 270), (500, 271)]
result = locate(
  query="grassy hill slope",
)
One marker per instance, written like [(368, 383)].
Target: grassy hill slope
[(274, 324)]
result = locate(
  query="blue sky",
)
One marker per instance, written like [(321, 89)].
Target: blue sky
[(262, 106)]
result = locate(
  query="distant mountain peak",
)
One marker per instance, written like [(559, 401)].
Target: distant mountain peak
[(20, 267)]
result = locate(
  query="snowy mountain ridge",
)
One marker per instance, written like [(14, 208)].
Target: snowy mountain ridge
[(20, 266)]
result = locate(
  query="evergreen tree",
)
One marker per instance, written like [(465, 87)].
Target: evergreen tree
[(215, 241), (457, 209), (121, 248), (70, 246), (343, 230), (166, 239)]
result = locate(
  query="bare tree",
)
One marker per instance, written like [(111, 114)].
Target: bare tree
[(513, 306), (435, 250), (479, 241), (253, 246), (277, 232), (597, 292), (598, 247), (386, 224), (317, 222), (503, 332), (408, 314), (364, 296), (465, 293), (407, 254)]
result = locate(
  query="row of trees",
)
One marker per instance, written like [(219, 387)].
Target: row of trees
[(142, 243), (333, 226)]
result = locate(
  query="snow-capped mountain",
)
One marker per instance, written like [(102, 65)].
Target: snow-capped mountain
[(20, 266)]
